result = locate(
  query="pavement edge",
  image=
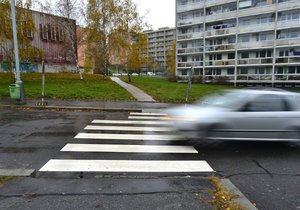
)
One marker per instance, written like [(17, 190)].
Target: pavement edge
[(242, 200)]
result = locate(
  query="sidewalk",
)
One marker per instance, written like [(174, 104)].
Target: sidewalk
[(136, 92)]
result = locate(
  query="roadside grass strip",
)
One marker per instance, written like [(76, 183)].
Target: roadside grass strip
[(137, 137), (55, 165), (127, 148), (131, 122), (126, 128)]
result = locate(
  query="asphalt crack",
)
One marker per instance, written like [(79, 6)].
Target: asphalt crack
[(263, 168)]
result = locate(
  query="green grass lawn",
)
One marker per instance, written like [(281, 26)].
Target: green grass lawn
[(66, 86), (165, 91), (69, 86)]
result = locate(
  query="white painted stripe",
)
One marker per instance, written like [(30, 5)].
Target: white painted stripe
[(123, 128), (128, 137), (147, 114), (125, 166), (131, 122), (127, 148), (144, 118)]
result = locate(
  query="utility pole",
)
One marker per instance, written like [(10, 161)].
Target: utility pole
[(21, 101)]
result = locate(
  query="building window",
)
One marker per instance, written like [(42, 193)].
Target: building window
[(244, 71), (244, 38), (279, 70), (231, 55), (183, 72), (292, 70), (245, 55), (230, 71)]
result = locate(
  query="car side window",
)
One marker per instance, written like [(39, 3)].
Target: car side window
[(267, 103)]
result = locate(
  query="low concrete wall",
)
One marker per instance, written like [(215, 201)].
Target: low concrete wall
[(37, 67)]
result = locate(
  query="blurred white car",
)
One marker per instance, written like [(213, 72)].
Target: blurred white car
[(268, 115)]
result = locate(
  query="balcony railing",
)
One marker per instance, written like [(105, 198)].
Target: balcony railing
[(257, 10), (190, 50), (288, 24), (253, 45), (223, 47), (288, 5), (253, 61), (220, 63), (190, 6), (225, 31), (190, 36), (221, 16), (286, 60), (258, 77), (256, 28), (190, 21), (283, 42), (217, 2), (189, 64)]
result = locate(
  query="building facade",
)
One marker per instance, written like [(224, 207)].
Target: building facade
[(253, 42), (159, 44), (52, 39)]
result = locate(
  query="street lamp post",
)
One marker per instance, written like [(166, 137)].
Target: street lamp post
[(21, 101)]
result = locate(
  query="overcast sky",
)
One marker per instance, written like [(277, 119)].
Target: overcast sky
[(161, 12)]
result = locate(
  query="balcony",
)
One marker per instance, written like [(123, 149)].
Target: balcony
[(190, 36), (287, 77), (257, 10), (255, 45), (254, 77), (288, 60), (218, 2), (221, 32), (190, 21), (190, 6), (221, 16), (223, 47), (255, 61), (220, 63), (257, 28), (287, 42), (288, 24), (190, 50), (288, 5), (189, 64)]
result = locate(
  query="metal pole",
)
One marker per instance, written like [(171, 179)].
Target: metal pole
[(16, 51)]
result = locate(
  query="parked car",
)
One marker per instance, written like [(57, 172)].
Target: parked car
[(267, 115)]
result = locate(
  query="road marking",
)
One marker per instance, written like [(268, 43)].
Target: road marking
[(127, 148), (130, 122), (55, 165), (129, 137), (147, 114), (144, 118), (123, 128)]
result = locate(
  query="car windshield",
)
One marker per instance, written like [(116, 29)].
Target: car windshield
[(226, 99)]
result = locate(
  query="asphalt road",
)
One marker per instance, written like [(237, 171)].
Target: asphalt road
[(267, 173)]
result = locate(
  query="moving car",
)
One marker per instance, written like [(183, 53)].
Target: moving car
[(268, 115)]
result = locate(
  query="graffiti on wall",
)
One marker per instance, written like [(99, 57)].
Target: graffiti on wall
[(24, 67)]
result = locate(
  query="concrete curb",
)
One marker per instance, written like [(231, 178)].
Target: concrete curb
[(17, 172), (68, 108), (242, 200)]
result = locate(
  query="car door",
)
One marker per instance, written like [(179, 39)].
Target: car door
[(262, 117)]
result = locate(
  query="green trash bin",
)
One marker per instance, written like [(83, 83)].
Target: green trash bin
[(14, 91)]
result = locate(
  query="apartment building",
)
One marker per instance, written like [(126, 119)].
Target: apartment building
[(159, 44), (247, 42)]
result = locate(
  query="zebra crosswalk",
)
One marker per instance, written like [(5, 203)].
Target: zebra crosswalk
[(140, 128)]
